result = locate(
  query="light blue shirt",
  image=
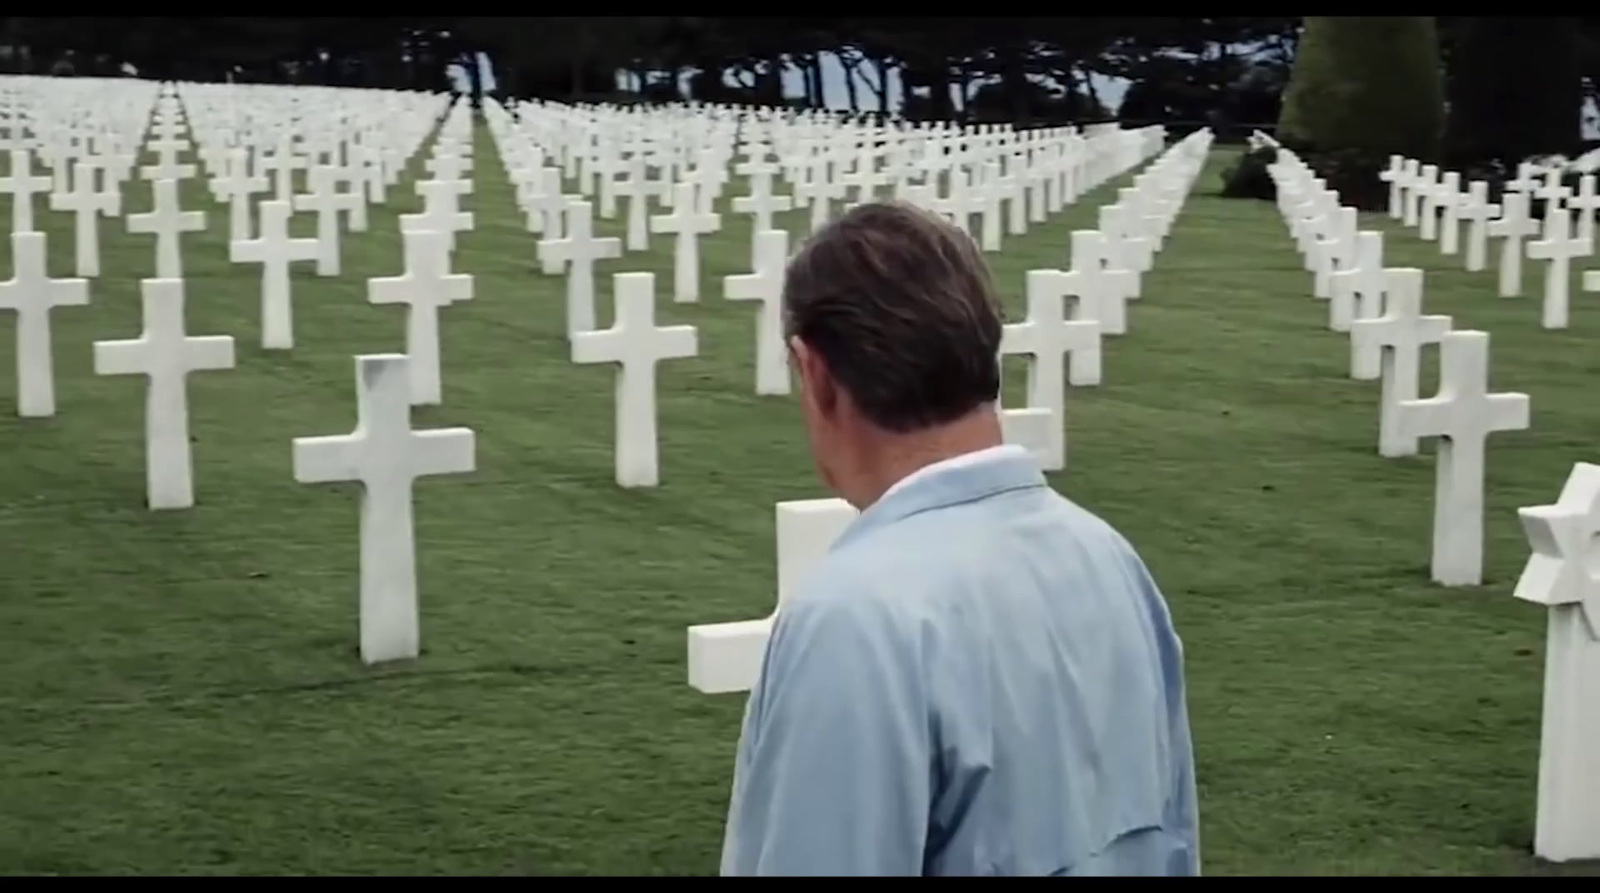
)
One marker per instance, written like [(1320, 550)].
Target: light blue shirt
[(981, 678)]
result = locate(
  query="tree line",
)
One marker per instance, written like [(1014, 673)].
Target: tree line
[(1019, 69)]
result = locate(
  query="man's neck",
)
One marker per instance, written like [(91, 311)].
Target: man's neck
[(901, 455)]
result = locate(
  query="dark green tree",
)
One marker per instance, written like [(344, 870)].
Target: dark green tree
[(1363, 88)]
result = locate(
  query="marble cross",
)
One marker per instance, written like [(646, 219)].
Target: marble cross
[(166, 355), (387, 457)]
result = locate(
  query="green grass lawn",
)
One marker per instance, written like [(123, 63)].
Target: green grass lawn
[(180, 691)]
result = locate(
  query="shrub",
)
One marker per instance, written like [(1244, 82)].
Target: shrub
[(1249, 178)]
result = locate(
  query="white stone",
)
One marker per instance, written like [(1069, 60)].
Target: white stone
[(1336, 250), (1032, 428), (439, 213), (87, 204), (274, 251), (1396, 338), (1413, 176), (1559, 250), (1427, 201), (1477, 211), (1563, 574), (166, 355), (426, 286), (326, 202), (387, 457), (1046, 337), (1356, 292), (1513, 226), (687, 224), (1449, 202), (32, 293), (1463, 415), (1584, 205), (577, 251), (22, 186), (1395, 177), (168, 222), (1105, 286), (636, 344), (761, 204), (237, 186), (766, 285), (727, 657)]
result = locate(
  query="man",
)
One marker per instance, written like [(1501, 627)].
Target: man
[(981, 678)]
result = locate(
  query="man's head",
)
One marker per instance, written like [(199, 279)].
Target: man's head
[(893, 323)]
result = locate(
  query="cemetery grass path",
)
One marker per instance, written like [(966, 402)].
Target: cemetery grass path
[(181, 692)]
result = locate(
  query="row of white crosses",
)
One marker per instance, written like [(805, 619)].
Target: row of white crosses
[(1106, 268), (540, 144), (726, 657), (1381, 310), (383, 453), (1564, 537), (1437, 204)]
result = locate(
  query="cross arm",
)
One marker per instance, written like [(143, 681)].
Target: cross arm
[(594, 347), (324, 460), (209, 352), (1428, 417), (247, 251), (745, 287), (121, 358), (443, 451), (391, 289)]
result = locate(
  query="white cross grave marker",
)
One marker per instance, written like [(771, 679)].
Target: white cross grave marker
[(439, 213), (236, 187), (23, 186), (766, 285), (326, 201), (165, 354), (1513, 226), (577, 251), (1463, 414), (87, 204), (1557, 248), (32, 293), (727, 657), (687, 225), (386, 456), (1477, 211), (426, 286), (1356, 292), (1101, 294), (1396, 338), (1395, 177), (274, 251), (1449, 191), (168, 221), (636, 344), (1563, 574), (1584, 204), (1046, 336)]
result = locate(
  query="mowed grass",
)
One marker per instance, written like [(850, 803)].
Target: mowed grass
[(180, 691)]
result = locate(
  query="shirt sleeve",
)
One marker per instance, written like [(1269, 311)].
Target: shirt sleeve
[(833, 775)]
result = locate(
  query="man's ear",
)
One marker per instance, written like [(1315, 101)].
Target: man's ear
[(816, 385)]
